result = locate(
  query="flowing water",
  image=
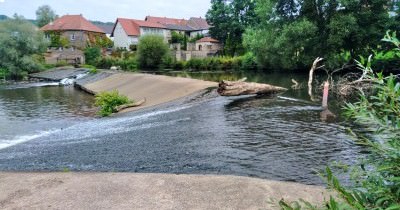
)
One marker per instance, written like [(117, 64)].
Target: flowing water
[(282, 138)]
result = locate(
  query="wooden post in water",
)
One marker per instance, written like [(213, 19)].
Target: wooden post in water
[(326, 114), (325, 95)]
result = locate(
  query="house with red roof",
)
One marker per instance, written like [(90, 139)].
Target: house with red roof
[(192, 27), (126, 32), (199, 25), (208, 44), (78, 31)]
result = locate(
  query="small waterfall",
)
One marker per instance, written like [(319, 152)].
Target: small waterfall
[(70, 80)]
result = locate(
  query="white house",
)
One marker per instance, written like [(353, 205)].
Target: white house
[(126, 32)]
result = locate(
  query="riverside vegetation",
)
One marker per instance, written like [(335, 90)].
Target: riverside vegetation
[(377, 177), (109, 101)]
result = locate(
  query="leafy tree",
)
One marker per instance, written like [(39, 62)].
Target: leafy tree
[(92, 54), (338, 26), (151, 51), (45, 15), (229, 19), (20, 42)]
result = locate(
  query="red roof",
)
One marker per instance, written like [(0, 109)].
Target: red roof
[(207, 39), (198, 23), (132, 26), (166, 21), (71, 23)]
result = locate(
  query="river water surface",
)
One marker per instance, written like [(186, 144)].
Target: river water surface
[(281, 138)]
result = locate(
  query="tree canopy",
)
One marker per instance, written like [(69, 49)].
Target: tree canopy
[(290, 33), (151, 51), (229, 20), (20, 47), (45, 15)]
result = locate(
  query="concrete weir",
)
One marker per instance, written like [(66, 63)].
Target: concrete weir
[(147, 191), (71, 190), (156, 89)]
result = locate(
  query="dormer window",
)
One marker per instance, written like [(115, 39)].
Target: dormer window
[(72, 37)]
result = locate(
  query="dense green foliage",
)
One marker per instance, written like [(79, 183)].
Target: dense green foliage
[(229, 20), (21, 46), (291, 34), (45, 15), (56, 40), (92, 54), (377, 178), (109, 101), (222, 63), (127, 64), (179, 38), (152, 51)]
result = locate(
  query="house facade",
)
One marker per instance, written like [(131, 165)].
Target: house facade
[(69, 35), (126, 32), (199, 26), (73, 29), (208, 44), (192, 27)]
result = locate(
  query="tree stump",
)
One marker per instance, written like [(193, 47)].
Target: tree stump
[(237, 88)]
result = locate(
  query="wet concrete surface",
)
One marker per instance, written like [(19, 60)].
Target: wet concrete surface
[(147, 191), (58, 74)]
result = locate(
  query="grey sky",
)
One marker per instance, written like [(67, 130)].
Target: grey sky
[(109, 10)]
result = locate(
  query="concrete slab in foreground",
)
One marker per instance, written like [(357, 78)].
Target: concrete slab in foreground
[(157, 89), (145, 191)]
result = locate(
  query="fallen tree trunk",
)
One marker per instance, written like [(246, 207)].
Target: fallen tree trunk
[(229, 88), (135, 104)]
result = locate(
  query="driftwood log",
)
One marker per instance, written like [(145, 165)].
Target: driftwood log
[(135, 104), (237, 88)]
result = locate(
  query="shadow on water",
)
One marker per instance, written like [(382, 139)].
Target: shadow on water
[(279, 138)]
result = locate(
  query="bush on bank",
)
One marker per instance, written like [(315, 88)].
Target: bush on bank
[(108, 102), (222, 63)]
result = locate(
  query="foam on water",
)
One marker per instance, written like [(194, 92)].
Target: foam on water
[(21, 139)]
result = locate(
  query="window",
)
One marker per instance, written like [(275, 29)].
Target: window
[(72, 37)]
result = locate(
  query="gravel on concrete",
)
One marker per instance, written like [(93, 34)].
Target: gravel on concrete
[(147, 191)]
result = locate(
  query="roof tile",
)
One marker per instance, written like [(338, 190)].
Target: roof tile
[(132, 26), (207, 39), (71, 22)]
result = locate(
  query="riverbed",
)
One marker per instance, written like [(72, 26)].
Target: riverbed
[(280, 138)]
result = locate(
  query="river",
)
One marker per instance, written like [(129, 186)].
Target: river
[(281, 138)]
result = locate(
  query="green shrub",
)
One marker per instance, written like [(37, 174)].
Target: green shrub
[(92, 69), (249, 62), (179, 65), (105, 62), (129, 64), (168, 62), (151, 51), (225, 63), (92, 54), (62, 63), (108, 102)]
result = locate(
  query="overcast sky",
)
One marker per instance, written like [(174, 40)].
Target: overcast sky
[(109, 10)]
